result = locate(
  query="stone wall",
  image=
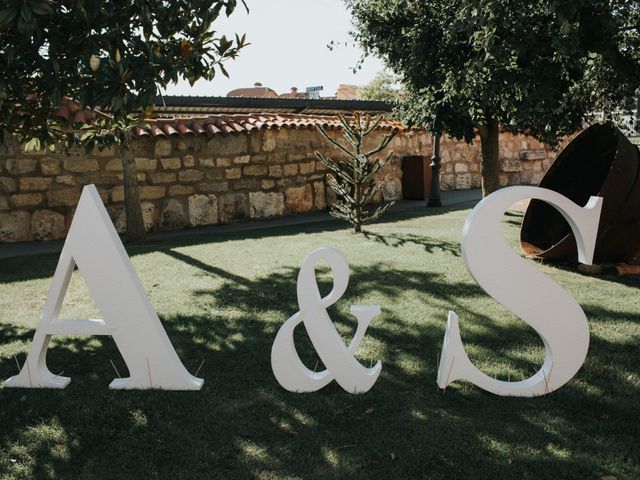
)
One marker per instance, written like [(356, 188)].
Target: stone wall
[(184, 182), (523, 161), (193, 181)]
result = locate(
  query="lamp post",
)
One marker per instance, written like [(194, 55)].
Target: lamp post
[(436, 164)]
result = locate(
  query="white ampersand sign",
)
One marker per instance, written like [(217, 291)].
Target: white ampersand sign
[(341, 364)]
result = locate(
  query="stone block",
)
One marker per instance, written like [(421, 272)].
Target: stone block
[(233, 206), (509, 166), (447, 182), (242, 159), (190, 176), (232, 173), (7, 185), (15, 227), (163, 148), (171, 163), (21, 166), (307, 168), (207, 162), (476, 180), (265, 205), (228, 144), (461, 168), (223, 162), (191, 145), (203, 210), (246, 184), (50, 166), (255, 141), (290, 170), (392, 190), (214, 187), (149, 215), (269, 141), (81, 165), (188, 161), (533, 154), (47, 225), (255, 170), (63, 197), (146, 164), (152, 193), (34, 184), (276, 171), (463, 181), (179, 190), (320, 195), (268, 184), (299, 199), (26, 200), (173, 216), (117, 194), (516, 179), (68, 180), (113, 165), (286, 182), (162, 177), (216, 174)]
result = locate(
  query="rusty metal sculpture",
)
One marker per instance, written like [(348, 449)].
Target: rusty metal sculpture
[(601, 162)]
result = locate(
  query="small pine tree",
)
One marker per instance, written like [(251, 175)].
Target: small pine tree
[(354, 178)]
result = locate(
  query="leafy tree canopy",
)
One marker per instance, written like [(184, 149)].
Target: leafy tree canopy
[(536, 67), (114, 54)]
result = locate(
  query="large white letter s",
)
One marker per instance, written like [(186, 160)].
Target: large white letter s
[(525, 291)]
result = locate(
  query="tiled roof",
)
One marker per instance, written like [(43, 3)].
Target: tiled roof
[(209, 125), (244, 123)]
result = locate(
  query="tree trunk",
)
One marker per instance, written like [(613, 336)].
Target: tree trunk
[(135, 226), (490, 143)]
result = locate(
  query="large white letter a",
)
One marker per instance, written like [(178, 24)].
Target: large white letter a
[(94, 246)]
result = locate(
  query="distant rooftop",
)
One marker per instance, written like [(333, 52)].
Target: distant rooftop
[(195, 105)]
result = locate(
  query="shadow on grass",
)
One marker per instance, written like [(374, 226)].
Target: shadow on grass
[(430, 245), (43, 265), (243, 425)]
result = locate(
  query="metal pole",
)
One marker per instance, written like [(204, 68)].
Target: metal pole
[(436, 164)]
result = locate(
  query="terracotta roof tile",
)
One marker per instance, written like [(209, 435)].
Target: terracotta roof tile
[(226, 124), (239, 123)]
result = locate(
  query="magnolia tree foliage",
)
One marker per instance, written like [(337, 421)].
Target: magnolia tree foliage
[(354, 179), (115, 55), (472, 67)]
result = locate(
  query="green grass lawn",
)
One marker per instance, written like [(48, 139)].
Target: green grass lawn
[(222, 300)]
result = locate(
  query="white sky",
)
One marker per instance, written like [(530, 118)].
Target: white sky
[(288, 48)]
